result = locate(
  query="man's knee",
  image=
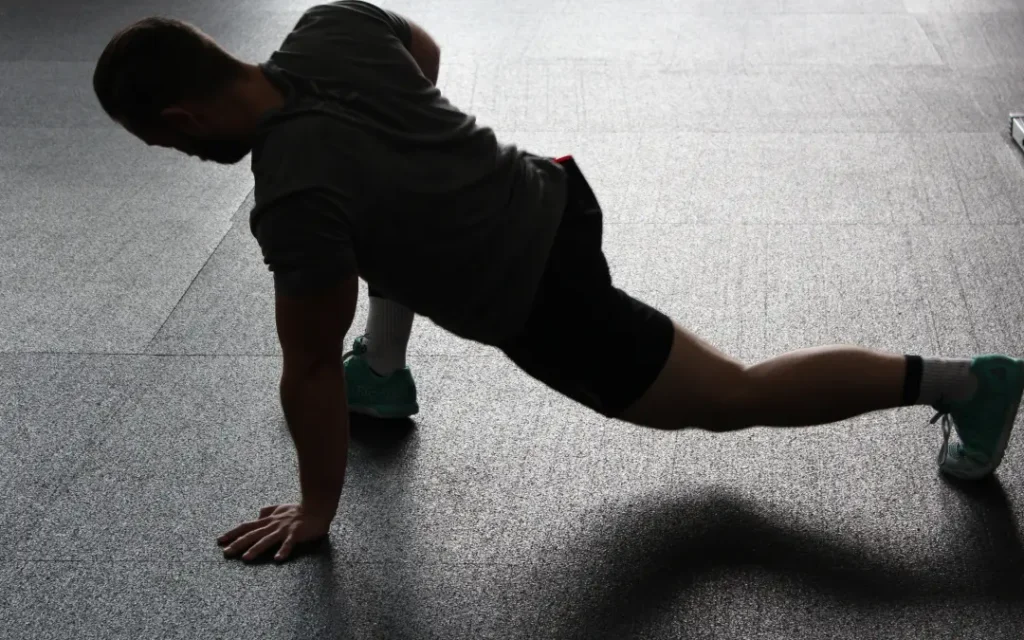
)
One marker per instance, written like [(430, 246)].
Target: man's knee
[(727, 406), (733, 406)]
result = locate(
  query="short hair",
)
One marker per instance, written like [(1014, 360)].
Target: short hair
[(155, 62)]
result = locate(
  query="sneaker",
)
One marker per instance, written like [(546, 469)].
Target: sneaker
[(392, 396), (984, 422)]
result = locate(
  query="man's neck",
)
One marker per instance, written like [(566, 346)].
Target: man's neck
[(258, 93)]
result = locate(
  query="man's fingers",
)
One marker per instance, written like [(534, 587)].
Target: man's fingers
[(248, 539), (266, 511), (240, 529), (286, 547), (261, 546)]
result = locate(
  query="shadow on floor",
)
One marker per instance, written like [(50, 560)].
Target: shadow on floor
[(382, 439), (617, 579), (638, 577)]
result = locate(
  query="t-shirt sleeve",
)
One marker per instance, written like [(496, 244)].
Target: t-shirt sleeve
[(396, 23), (306, 243)]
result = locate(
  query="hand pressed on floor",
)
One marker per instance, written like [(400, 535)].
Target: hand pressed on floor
[(287, 524)]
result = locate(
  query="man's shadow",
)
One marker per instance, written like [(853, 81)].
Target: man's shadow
[(634, 579), (380, 438), (624, 576)]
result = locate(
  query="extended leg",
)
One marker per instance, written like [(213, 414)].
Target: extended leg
[(702, 387)]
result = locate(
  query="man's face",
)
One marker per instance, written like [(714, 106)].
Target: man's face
[(223, 150)]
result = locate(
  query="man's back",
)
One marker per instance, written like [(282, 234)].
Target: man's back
[(368, 169)]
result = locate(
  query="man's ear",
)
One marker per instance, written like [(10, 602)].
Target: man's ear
[(179, 119)]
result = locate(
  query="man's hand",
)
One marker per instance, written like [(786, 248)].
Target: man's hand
[(288, 524)]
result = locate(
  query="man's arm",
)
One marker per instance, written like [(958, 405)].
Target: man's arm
[(421, 47), (312, 330)]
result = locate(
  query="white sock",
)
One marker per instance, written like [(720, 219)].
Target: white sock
[(388, 328), (945, 380)]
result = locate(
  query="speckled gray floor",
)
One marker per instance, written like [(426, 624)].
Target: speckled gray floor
[(776, 174)]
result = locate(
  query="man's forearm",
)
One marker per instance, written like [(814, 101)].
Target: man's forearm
[(317, 413)]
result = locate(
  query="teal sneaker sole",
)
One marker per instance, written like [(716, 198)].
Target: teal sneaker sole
[(388, 413), (977, 472), (373, 396)]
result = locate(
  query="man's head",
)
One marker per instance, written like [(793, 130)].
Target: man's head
[(171, 85)]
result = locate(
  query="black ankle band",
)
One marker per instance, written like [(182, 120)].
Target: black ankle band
[(912, 380)]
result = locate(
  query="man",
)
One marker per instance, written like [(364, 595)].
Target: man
[(363, 169)]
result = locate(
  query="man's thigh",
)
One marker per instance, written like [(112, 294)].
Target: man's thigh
[(603, 349)]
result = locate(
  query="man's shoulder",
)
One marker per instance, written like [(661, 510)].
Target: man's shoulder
[(355, 19), (310, 144), (343, 10), (297, 130)]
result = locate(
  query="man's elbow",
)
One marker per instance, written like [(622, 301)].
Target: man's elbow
[(431, 66), (425, 51)]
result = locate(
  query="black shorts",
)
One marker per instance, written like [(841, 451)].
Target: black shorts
[(585, 338)]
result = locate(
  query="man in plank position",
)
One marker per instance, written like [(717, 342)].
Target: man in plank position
[(363, 169)]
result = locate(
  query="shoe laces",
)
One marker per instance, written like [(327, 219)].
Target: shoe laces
[(947, 426), (358, 349)]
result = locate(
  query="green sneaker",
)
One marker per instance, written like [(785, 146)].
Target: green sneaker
[(392, 396), (985, 421)]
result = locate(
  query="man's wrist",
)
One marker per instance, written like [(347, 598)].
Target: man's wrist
[(318, 511), (320, 508)]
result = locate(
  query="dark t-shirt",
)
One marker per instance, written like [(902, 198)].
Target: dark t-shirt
[(369, 170)]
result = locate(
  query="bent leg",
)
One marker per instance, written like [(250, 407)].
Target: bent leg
[(388, 328), (700, 386), (378, 382)]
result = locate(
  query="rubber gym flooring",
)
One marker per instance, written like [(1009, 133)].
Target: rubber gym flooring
[(776, 174)]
